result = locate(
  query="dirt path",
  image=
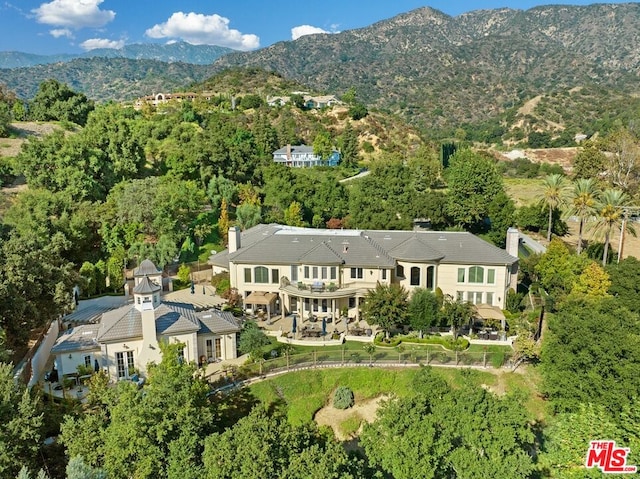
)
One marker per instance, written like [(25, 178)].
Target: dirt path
[(362, 411)]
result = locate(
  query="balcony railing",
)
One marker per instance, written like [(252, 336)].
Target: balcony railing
[(316, 286)]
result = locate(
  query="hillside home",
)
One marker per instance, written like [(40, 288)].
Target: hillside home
[(302, 156), (127, 339), (284, 270), (310, 102)]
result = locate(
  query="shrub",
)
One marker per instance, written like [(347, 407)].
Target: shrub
[(343, 398), (184, 272)]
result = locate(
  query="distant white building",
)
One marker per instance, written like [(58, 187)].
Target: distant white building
[(302, 156)]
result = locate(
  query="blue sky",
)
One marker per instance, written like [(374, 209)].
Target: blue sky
[(73, 26)]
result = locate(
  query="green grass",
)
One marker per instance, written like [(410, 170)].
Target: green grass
[(305, 392), (523, 191), (350, 426)]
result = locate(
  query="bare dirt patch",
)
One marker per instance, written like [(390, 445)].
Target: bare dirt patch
[(552, 156), (22, 130), (362, 411), (631, 245)]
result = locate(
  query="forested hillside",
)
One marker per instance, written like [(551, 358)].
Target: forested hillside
[(466, 77), (110, 185)]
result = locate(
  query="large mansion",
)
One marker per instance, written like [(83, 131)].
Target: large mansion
[(284, 270)]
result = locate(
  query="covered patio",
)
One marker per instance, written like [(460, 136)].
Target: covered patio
[(261, 304), (490, 314)]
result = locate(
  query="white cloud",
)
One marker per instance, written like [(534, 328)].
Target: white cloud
[(94, 43), (61, 32), (302, 30), (73, 13), (200, 29)]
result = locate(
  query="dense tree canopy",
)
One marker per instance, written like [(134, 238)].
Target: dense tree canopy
[(439, 432), (590, 353), (21, 422), (155, 432), (56, 101)]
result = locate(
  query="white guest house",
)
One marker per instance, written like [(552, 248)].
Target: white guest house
[(127, 339)]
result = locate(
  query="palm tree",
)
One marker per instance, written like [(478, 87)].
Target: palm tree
[(554, 196), (584, 197), (610, 214)]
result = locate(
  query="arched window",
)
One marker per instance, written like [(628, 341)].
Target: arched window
[(400, 271), (261, 274), (430, 276), (415, 276), (476, 274)]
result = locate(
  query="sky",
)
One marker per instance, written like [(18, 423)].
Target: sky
[(75, 26)]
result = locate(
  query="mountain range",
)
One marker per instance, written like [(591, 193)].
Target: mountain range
[(168, 52), (435, 70)]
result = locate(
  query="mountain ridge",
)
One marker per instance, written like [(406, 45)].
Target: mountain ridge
[(169, 52), (437, 71)]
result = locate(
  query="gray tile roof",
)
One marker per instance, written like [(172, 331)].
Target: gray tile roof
[(295, 149), (121, 323), (217, 322), (293, 246), (170, 317), (176, 318), (146, 286), (80, 338), (415, 248), (146, 268), (277, 244), (455, 247)]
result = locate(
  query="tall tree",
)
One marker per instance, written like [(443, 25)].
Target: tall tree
[(623, 162), (609, 209), (21, 425), (589, 163), (248, 215), (625, 282), (56, 101), (349, 146), (423, 310), (322, 145), (293, 214), (554, 196), (155, 432), (264, 447), (386, 306), (584, 197), (473, 183)]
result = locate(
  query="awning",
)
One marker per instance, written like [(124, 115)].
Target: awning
[(486, 311), (260, 297)]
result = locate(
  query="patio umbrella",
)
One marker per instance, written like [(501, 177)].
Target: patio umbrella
[(324, 326), (294, 325)]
